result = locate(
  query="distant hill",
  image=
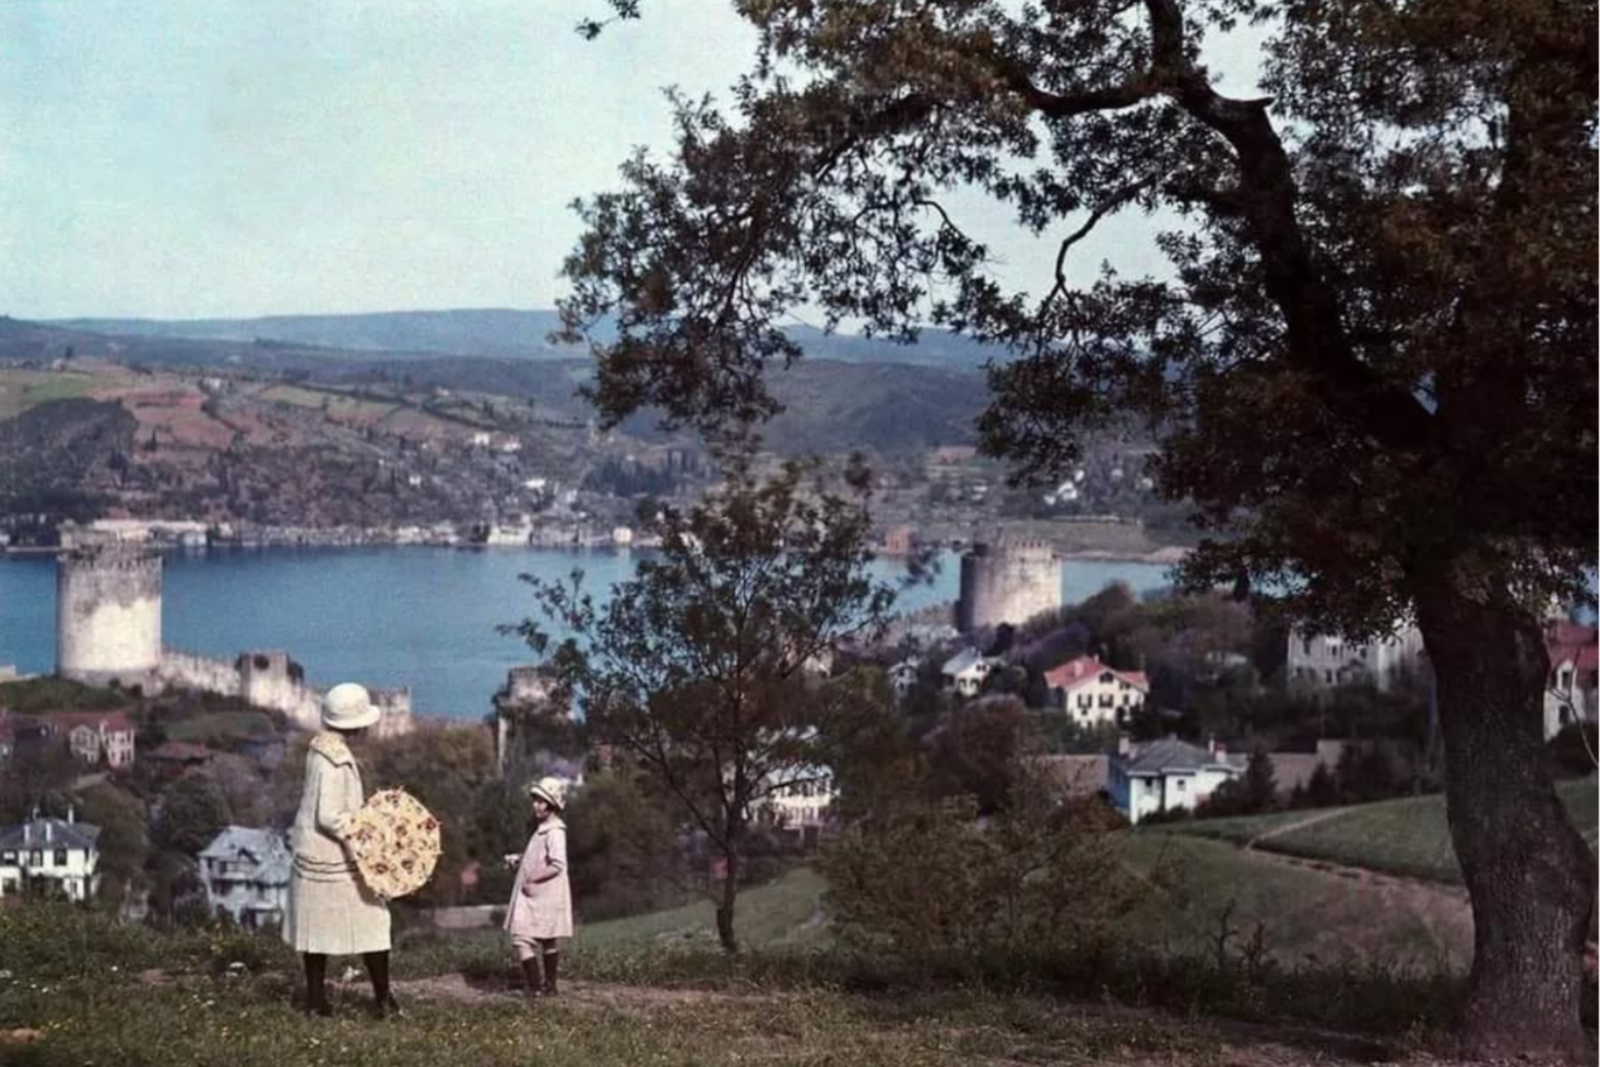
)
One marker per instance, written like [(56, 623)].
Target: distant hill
[(833, 405), (497, 332)]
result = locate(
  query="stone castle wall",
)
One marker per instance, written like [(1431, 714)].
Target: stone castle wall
[(185, 670), (108, 615), (1007, 582), (271, 680)]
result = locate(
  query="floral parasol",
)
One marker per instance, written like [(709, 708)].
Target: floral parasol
[(395, 842)]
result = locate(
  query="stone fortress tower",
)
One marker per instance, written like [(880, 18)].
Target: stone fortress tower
[(108, 629), (1007, 582), (108, 615)]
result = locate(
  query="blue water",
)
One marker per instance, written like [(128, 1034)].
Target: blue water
[(422, 617)]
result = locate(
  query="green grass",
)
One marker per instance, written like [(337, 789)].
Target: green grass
[(249, 1023), (1407, 837), (337, 403), (1307, 917), (785, 914), (24, 389), (782, 916), (221, 726), (38, 695), (74, 978), (1242, 829)]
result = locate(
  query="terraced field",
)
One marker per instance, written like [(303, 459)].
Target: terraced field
[(23, 389)]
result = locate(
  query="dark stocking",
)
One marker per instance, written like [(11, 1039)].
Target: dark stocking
[(378, 970), (317, 984), (552, 960)]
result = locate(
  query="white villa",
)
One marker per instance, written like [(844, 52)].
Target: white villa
[(1322, 660), (803, 804), (966, 671), (903, 676), (1167, 775), (59, 851), (246, 874), (1570, 694), (1094, 694)]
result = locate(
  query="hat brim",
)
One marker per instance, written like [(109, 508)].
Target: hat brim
[(357, 721), (539, 794)]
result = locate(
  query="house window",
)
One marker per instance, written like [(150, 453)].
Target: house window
[(1106, 678), (1566, 679), (1327, 676), (1085, 700), (1107, 700), (1149, 785), (8, 858), (1306, 645), (36, 858), (1183, 786), (61, 857)]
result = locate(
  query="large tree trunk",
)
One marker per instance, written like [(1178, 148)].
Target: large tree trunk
[(1530, 875)]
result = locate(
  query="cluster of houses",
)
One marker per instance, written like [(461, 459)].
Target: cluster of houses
[(95, 738), (245, 871), (1171, 774)]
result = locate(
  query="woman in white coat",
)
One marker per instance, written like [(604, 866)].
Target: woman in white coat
[(540, 912), (331, 913)]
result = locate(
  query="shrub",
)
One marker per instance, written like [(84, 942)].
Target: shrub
[(931, 879)]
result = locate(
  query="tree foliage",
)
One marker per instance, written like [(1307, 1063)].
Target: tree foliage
[(929, 879), (193, 811)]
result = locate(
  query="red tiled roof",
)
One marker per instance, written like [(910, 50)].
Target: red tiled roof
[(1574, 642), (1084, 669), (181, 751)]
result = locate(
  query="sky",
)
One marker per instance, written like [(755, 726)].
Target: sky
[(231, 158)]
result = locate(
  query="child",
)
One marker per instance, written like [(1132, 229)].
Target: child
[(541, 897)]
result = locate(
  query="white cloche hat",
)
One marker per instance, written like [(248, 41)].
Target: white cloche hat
[(349, 706), (551, 791)]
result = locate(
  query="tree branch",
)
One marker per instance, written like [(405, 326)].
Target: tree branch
[(1110, 204)]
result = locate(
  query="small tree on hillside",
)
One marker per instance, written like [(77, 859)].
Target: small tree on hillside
[(699, 666), (193, 812), (976, 751), (1255, 792)]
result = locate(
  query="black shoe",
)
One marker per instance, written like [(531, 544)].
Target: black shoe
[(551, 960), (532, 989)]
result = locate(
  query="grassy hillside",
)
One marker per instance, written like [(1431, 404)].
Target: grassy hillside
[(1305, 917), (77, 989), (1407, 837)]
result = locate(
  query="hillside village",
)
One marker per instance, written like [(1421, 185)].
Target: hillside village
[(212, 442)]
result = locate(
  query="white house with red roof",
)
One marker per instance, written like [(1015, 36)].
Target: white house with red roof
[(1094, 694), (1570, 691)]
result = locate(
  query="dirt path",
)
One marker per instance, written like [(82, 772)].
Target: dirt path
[(589, 994), (1298, 824)]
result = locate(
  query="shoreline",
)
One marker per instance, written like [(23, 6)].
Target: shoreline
[(1166, 555)]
